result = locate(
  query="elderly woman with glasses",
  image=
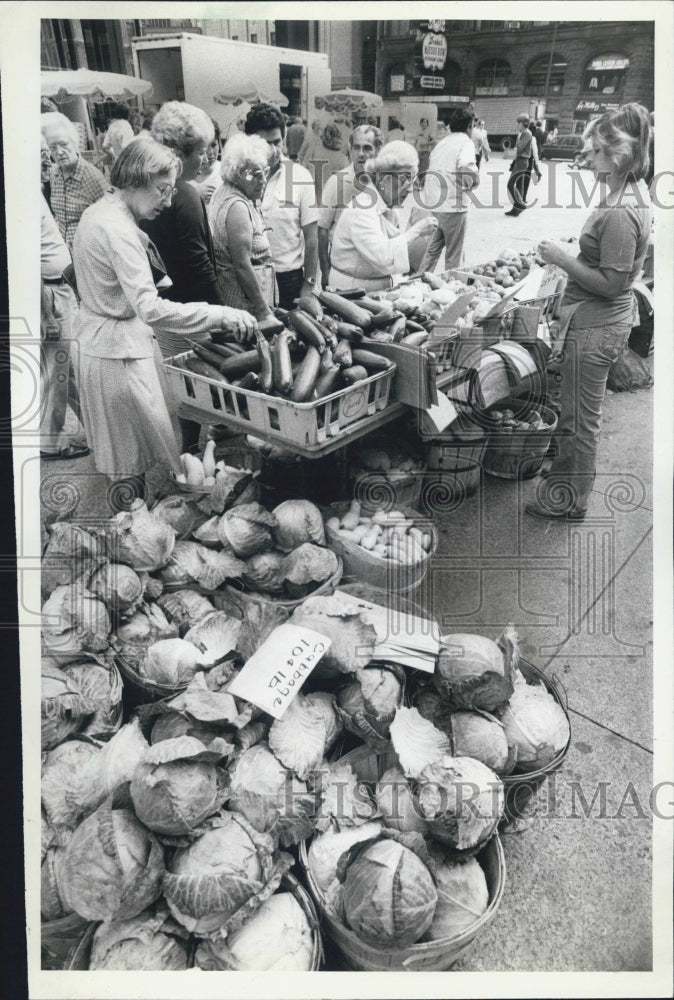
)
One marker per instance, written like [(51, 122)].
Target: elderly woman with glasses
[(244, 269), (368, 250), (122, 387)]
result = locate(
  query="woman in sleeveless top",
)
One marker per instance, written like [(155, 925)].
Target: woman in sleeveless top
[(244, 270)]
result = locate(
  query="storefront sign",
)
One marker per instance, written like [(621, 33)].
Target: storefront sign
[(491, 91), (432, 82), (434, 51), (609, 62), (595, 107)]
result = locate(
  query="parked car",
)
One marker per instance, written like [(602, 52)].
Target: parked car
[(563, 147)]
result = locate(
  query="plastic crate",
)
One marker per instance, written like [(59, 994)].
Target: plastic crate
[(305, 425)]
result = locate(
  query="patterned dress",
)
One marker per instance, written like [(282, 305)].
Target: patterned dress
[(232, 294)]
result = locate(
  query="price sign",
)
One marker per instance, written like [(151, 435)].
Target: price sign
[(274, 674)]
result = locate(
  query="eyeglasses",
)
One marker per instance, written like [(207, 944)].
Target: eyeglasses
[(165, 191), (256, 175), (403, 178)]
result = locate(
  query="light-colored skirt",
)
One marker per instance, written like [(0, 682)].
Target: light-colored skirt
[(125, 409)]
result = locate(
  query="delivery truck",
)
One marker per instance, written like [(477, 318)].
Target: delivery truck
[(499, 115), (196, 68)]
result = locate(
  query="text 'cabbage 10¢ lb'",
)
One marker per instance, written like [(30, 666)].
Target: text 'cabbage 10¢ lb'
[(274, 674)]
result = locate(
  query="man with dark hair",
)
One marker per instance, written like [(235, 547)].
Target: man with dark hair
[(452, 173), (289, 209), (520, 168)]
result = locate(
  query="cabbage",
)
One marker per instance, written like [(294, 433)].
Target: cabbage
[(461, 801), (270, 797), (327, 848), (264, 572), (480, 735), (74, 621), (101, 684), (463, 896), (149, 942), (146, 626), (344, 800), (52, 905), (46, 835), (247, 529), (180, 513), (367, 705), (175, 786), (278, 938), (174, 724), (185, 608), (324, 702), (473, 673), (138, 539), (214, 636), (207, 699), (118, 586), (389, 893), (66, 785), (232, 488), (298, 521), (396, 803), (416, 741), (299, 739), (112, 866), (194, 563), (64, 708), (307, 567), (171, 662), (535, 725), (341, 619), (207, 533), (217, 882), (70, 553)]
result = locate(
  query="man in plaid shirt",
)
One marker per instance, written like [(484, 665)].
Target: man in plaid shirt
[(75, 184)]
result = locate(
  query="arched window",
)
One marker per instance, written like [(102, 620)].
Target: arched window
[(492, 77), (537, 74), (605, 74)]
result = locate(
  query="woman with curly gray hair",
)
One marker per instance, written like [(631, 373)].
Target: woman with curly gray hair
[(244, 270)]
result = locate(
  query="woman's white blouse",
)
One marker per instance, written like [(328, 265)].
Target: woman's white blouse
[(366, 244)]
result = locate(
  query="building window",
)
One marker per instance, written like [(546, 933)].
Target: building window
[(537, 74), (253, 38), (492, 77), (605, 74), (234, 38)]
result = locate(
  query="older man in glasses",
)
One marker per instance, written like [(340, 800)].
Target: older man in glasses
[(74, 183)]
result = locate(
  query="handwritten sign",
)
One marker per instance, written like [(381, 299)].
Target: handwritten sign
[(274, 674)]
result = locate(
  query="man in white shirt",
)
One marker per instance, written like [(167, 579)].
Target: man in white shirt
[(452, 173), (364, 143), (481, 143), (289, 209)]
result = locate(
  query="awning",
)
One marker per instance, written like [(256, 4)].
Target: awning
[(64, 84)]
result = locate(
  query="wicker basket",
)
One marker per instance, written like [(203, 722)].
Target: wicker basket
[(445, 491), (432, 956), (520, 787), (138, 690), (384, 574), (371, 488), (519, 454)]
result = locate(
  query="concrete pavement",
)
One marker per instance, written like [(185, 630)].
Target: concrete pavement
[(578, 894)]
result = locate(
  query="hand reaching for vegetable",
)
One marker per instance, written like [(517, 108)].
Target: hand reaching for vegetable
[(552, 254), (242, 322)]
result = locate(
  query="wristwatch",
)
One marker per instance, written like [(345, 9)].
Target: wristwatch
[(310, 281)]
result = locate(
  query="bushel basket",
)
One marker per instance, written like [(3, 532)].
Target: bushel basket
[(515, 453)]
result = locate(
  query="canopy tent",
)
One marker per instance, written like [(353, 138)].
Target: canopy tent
[(348, 100), (250, 93), (64, 84)]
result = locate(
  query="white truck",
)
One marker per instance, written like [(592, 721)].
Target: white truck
[(195, 68), (499, 115)]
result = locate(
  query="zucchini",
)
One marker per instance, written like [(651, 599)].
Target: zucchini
[(311, 306), (281, 366), (343, 356), (373, 362), (398, 328), (199, 367), (224, 350), (414, 339), (250, 381), (264, 358), (269, 326), (357, 373), (347, 331), (207, 355), (327, 360), (306, 376), (328, 382), (306, 328), (240, 364), (348, 310)]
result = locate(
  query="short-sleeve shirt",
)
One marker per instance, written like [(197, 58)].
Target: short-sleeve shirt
[(337, 193), (288, 204), (453, 154), (71, 195), (614, 237)]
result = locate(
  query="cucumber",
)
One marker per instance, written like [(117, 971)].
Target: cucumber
[(349, 311), (373, 362), (306, 376)]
